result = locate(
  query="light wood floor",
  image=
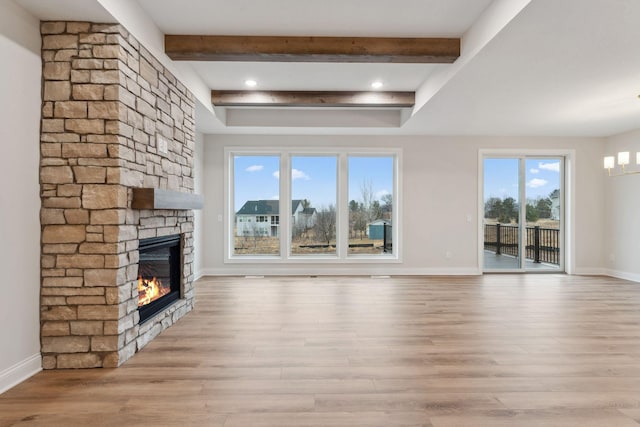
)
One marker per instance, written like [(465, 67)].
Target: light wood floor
[(497, 350)]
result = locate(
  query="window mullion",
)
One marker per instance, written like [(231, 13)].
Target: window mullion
[(342, 226), (285, 205)]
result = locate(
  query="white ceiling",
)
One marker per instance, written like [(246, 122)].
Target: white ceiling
[(356, 18), (560, 67), (312, 75), (71, 10)]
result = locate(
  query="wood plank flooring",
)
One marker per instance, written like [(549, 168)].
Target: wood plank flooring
[(496, 350)]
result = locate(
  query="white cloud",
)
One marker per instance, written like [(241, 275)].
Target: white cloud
[(534, 171), (381, 193), (276, 197), (295, 174), (537, 182), (554, 167), (298, 174), (254, 168)]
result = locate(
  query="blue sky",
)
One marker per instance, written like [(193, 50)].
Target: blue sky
[(254, 179), (542, 176), (375, 170), (314, 178)]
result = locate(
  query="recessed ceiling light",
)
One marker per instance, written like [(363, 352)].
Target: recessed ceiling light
[(376, 85), (250, 83)]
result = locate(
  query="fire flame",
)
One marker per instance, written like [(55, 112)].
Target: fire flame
[(150, 290)]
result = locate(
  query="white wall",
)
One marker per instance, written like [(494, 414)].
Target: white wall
[(20, 81), (622, 213), (198, 181), (440, 188)]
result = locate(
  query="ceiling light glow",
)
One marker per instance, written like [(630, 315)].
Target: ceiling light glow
[(250, 83), (376, 85)]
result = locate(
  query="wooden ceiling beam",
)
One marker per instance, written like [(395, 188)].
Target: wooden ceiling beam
[(251, 98), (312, 49)]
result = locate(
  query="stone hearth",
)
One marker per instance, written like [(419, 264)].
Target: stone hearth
[(107, 103)]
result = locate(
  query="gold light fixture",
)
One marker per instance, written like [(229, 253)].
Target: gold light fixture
[(623, 162)]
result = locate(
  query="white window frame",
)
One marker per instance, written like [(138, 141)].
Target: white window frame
[(342, 205)]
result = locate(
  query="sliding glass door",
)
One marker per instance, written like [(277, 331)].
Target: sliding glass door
[(523, 211), (501, 214), (543, 213)]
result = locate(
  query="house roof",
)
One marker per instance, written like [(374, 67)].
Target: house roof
[(265, 207)]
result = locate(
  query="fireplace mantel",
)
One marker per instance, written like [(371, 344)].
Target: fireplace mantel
[(155, 198)]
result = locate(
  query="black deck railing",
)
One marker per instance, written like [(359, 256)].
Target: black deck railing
[(543, 244)]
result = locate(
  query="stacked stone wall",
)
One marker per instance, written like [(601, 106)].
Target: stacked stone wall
[(107, 103)]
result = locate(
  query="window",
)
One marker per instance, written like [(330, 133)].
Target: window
[(255, 197), (370, 205), (304, 205), (313, 211)]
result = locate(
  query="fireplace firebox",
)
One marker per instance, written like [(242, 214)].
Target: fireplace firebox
[(159, 273)]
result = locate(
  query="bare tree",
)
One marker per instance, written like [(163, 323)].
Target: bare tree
[(376, 210), (360, 222), (370, 206), (354, 212), (387, 204), (299, 231), (325, 226), (256, 235), (367, 196)]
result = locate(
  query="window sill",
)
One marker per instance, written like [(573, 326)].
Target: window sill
[(313, 259)]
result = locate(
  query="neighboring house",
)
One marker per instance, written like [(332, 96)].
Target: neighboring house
[(555, 205), (304, 218), (262, 218), (375, 229)]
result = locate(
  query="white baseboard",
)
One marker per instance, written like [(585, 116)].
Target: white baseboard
[(19, 372), (634, 277), (338, 271), (591, 272)]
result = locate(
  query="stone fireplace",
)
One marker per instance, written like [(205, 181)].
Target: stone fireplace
[(113, 120)]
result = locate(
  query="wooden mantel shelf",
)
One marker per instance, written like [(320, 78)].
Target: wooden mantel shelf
[(155, 198)]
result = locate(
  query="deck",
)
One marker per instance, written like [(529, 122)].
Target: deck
[(508, 262)]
